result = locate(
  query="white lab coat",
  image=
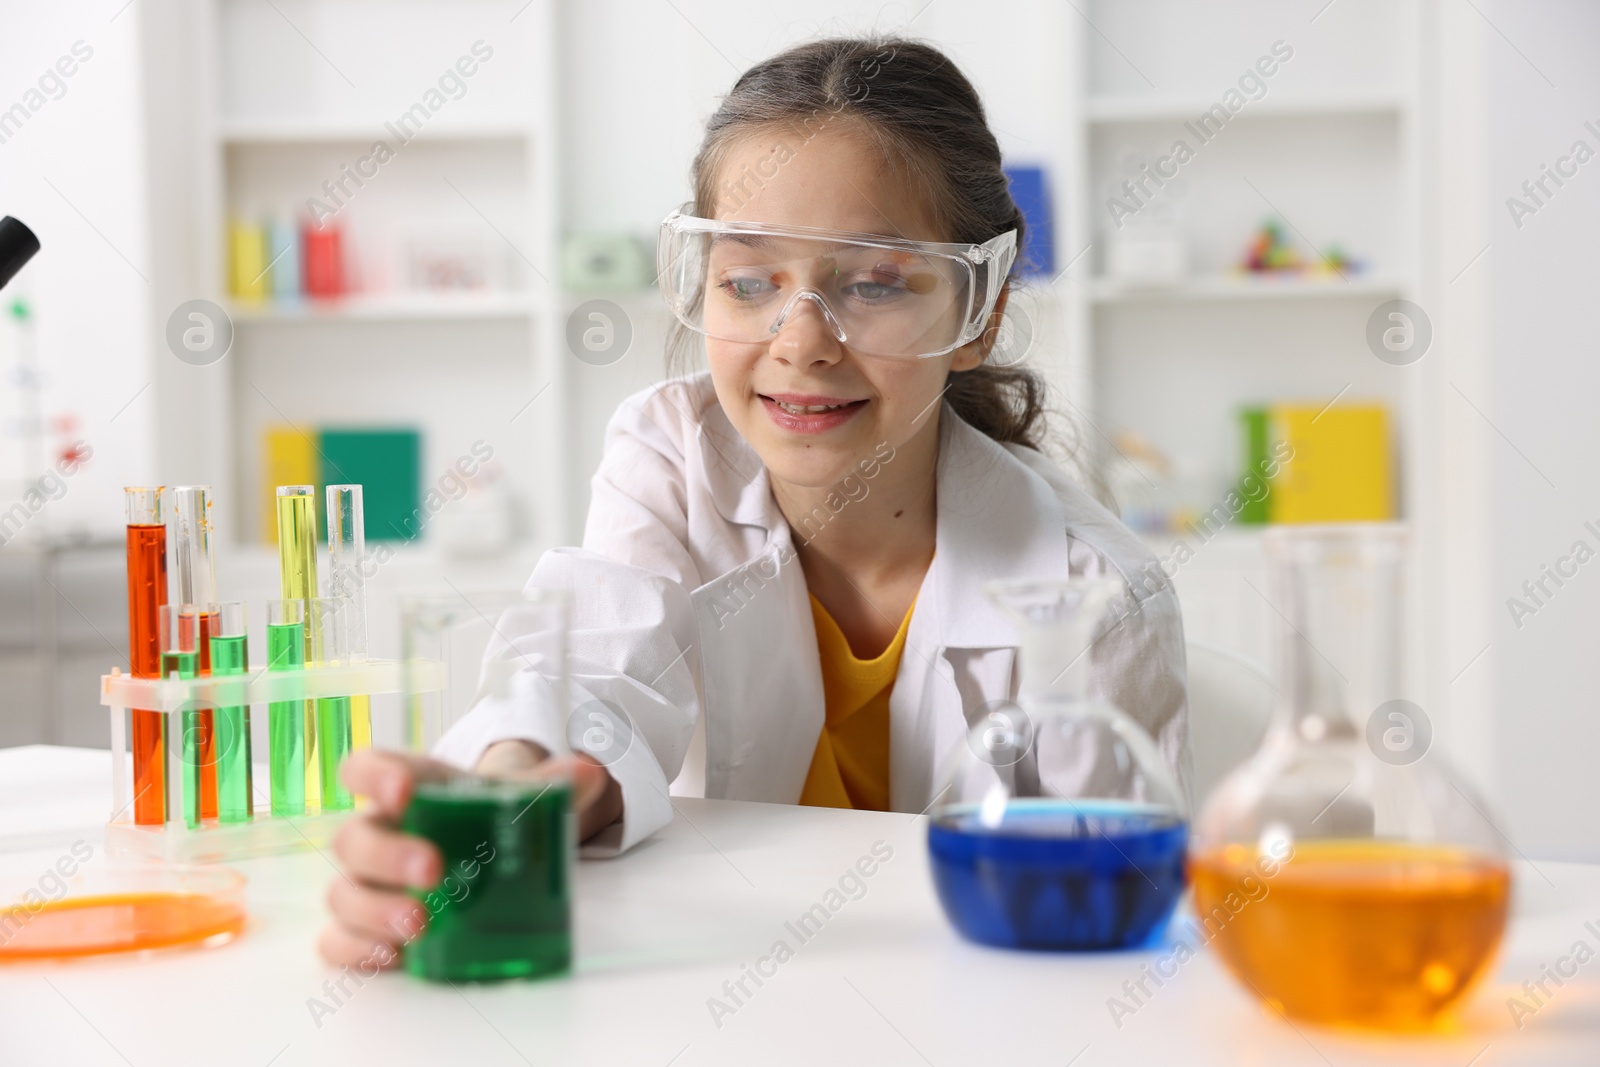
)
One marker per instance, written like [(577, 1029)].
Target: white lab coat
[(691, 620)]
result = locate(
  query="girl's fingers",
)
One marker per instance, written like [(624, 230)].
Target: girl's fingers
[(376, 913), (345, 948), (388, 777), (374, 852)]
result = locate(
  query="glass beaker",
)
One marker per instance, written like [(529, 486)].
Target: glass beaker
[(1060, 825), (503, 908), (1344, 874)]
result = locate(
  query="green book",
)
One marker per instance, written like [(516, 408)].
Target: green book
[(1256, 448), (387, 463)]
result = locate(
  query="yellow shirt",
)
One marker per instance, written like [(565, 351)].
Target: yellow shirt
[(850, 768)]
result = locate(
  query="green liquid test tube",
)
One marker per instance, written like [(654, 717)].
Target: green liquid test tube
[(286, 719), (297, 580), (504, 907), (235, 770), (331, 616), (180, 659)]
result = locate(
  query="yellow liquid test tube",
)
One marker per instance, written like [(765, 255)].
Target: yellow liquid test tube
[(297, 576)]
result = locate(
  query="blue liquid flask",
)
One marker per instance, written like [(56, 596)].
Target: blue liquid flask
[(1060, 826)]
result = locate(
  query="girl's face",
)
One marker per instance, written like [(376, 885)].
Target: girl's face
[(834, 181)]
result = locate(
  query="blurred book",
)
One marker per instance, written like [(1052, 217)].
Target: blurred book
[(1337, 466), (385, 461)]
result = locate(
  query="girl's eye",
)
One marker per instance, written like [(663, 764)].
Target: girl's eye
[(877, 288), (746, 287)]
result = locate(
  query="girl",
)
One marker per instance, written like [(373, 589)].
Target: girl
[(780, 591)]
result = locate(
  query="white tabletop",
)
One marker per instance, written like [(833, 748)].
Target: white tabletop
[(659, 932)]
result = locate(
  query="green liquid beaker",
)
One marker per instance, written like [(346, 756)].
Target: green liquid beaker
[(503, 908)]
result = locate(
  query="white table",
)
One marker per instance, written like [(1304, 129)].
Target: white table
[(886, 980)]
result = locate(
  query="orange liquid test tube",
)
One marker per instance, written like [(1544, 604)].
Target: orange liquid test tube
[(147, 595)]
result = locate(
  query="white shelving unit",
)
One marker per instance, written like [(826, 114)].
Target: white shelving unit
[(1329, 148), (283, 97)]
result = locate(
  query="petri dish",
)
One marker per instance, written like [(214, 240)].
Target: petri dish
[(119, 910)]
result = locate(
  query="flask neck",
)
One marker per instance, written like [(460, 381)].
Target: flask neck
[(1339, 649)]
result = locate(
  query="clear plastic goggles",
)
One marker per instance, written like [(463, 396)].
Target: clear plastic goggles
[(895, 299)]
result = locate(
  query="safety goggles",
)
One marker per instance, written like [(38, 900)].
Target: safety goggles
[(895, 299)]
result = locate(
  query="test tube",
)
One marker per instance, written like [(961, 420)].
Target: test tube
[(297, 578), (230, 656), (286, 719), (180, 658), (347, 548), (331, 644), (147, 595), (196, 587)]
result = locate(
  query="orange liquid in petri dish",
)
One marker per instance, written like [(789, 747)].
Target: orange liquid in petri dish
[(1367, 933), (119, 922)]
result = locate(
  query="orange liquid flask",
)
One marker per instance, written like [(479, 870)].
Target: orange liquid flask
[(1366, 932), (1344, 875)]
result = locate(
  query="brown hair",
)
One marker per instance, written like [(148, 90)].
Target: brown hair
[(915, 105)]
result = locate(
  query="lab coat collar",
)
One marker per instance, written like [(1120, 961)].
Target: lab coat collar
[(996, 518)]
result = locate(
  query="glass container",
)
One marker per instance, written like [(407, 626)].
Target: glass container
[(1060, 825), (503, 907), (1345, 874)]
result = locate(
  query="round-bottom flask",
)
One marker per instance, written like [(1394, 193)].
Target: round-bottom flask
[(1345, 874), (1059, 825)]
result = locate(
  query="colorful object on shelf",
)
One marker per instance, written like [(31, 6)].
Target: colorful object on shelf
[(323, 248), (505, 907), (1340, 465), (386, 462), (1257, 507), (129, 909), (1030, 189), (285, 255), (249, 276), (147, 595), (1270, 252), (605, 262)]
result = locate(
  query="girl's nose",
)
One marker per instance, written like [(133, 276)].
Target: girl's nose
[(806, 332)]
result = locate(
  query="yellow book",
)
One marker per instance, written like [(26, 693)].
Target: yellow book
[(291, 459), (1341, 467), (248, 274)]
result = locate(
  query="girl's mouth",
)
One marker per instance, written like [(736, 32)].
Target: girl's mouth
[(810, 414)]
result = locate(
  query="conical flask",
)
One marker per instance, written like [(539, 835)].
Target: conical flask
[(1344, 873), (1059, 825)]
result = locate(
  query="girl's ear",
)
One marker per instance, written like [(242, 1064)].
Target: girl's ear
[(972, 355)]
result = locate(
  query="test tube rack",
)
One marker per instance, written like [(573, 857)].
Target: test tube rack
[(265, 833)]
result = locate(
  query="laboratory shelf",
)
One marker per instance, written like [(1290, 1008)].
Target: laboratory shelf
[(1104, 110), (1244, 287), (387, 307), (247, 131)]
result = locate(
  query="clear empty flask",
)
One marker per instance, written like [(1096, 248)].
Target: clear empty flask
[(1344, 873), (1060, 825)]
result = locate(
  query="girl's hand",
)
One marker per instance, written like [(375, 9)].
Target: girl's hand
[(372, 914)]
